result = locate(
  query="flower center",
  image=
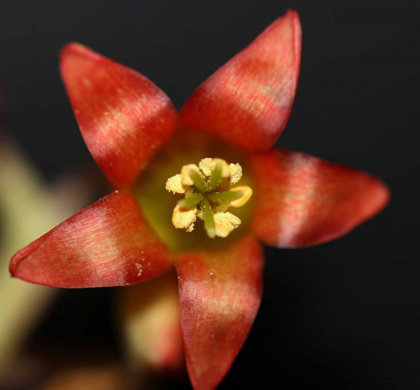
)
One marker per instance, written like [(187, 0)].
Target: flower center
[(158, 204), (208, 195)]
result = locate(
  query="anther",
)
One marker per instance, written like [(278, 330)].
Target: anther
[(208, 195), (246, 194), (186, 179)]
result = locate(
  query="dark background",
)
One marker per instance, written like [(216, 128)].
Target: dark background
[(344, 315)]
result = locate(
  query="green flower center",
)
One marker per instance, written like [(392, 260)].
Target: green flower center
[(206, 197)]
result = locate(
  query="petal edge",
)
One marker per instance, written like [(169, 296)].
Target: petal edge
[(220, 293), (107, 244), (309, 201), (123, 117), (248, 101)]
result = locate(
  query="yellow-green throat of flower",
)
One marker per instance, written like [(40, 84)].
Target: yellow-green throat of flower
[(208, 195)]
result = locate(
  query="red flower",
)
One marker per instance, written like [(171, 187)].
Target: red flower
[(124, 119)]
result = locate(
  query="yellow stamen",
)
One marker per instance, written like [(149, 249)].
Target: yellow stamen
[(174, 185), (225, 223), (247, 193), (184, 218), (207, 187), (235, 173), (186, 179), (207, 166)]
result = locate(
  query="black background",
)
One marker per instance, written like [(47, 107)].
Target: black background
[(344, 315)]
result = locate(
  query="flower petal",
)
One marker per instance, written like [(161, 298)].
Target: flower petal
[(304, 201), (248, 101), (124, 118), (107, 244), (150, 322), (220, 293)]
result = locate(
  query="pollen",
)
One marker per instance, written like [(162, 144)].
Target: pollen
[(208, 194), (175, 185), (184, 218), (225, 223), (186, 179), (207, 166), (235, 173)]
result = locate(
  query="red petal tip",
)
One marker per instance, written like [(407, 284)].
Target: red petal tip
[(248, 101), (304, 201), (107, 244), (123, 117), (220, 293)]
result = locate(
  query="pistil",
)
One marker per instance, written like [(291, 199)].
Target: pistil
[(190, 201), (198, 180), (215, 178), (225, 197), (208, 218)]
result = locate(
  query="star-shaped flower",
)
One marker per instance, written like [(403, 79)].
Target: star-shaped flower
[(125, 120)]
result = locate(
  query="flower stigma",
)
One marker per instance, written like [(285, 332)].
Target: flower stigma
[(208, 193)]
